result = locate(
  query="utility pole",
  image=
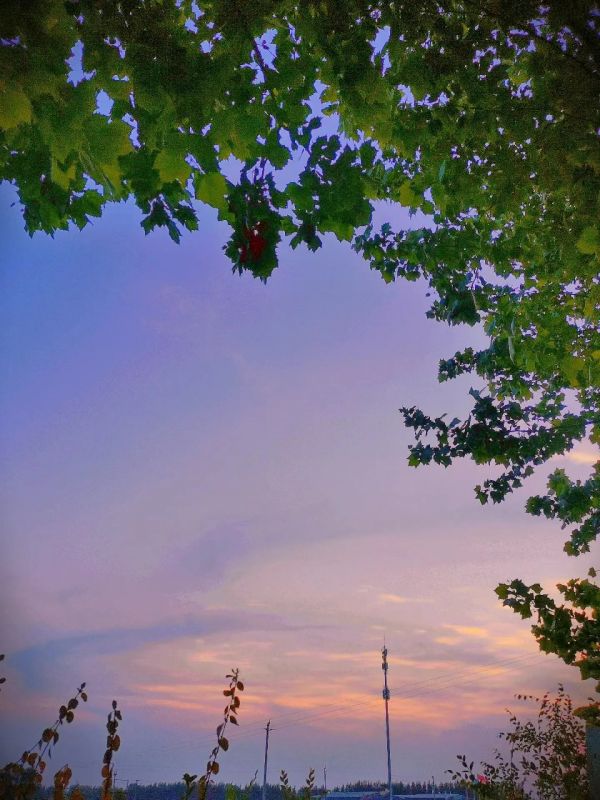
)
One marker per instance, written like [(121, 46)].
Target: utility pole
[(264, 786), (592, 740), (386, 697)]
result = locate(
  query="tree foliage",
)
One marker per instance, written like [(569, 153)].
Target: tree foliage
[(483, 114), (547, 757)]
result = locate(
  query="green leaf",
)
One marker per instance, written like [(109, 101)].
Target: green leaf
[(107, 142), (212, 189), (589, 241), (407, 196), (277, 154), (62, 177), (502, 591), (343, 231), (573, 367), (518, 74), (171, 166), (15, 108)]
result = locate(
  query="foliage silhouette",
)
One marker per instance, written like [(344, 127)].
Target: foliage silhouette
[(113, 742), (547, 757), (289, 793), (22, 780), (229, 717)]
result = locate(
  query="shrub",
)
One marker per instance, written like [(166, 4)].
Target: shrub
[(547, 757)]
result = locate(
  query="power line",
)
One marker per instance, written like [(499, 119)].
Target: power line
[(335, 708), (418, 688), (424, 683)]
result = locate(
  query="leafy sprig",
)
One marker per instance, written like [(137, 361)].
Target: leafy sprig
[(113, 743), (20, 779), (229, 717)]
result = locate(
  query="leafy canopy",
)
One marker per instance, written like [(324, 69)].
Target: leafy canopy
[(482, 114)]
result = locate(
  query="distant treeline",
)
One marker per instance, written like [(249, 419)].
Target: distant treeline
[(174, 791), (415, 787)]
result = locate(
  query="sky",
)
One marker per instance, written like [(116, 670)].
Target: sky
[(201, 472)]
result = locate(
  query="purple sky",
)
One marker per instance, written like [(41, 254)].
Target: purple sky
[(200, 471)]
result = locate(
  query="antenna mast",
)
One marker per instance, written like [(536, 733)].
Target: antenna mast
[(386, 697)]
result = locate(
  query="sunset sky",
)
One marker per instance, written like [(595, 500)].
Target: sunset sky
[(200, 471)]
